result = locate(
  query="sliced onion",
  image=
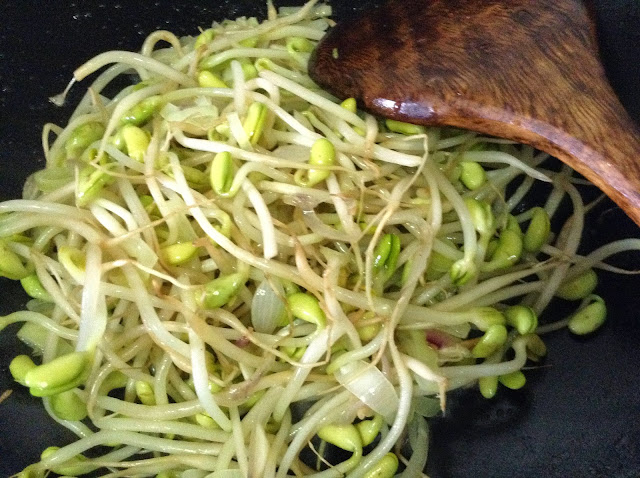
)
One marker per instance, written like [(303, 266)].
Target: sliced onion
[(201, 114), (267, 306), (371, 387), (93, 315), (258, 450), (47, 180), (292, 152), (426, 407), (419, 442)]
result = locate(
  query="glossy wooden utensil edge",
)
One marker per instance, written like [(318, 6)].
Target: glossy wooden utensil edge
[(523, 70)]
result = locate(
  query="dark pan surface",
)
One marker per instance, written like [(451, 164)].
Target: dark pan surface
[(578, 416)]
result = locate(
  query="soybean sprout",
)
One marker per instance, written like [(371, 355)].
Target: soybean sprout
[(230, 268)]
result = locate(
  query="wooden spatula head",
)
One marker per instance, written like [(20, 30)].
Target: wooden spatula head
[(517, 69)]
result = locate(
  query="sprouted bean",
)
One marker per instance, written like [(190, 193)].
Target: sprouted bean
[(228, 266)]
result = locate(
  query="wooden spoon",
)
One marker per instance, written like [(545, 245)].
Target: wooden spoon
[(518, 69)]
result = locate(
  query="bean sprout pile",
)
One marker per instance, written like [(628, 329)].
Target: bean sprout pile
[(234, 274)]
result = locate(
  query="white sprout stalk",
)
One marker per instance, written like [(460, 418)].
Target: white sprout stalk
[(134, 60), (269, 244), (93, 317)]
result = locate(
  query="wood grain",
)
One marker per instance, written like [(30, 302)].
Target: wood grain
[(518, 69)]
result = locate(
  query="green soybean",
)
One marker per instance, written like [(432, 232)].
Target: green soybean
[(73, 260), (32, 286), (205, 37), (481, 215), (206, 79), (252, 400), (35, 336), (32, 471), (196, 178), (179, 253), (462, 271), (19, 367), (206, 421), (404, 128), (265, 64), (221, 173), (538, 231), (295, 353), (439, 265), (224, 226), (350, 104), (299, 44), (385, 256), (142, 112), (306, 307), (589, 318), (385, 468), (68, 406), (488, 386), (472, 175), (250, 42), (136, 141), (60, 374), (221, 132), (369, 429), (77, 465), (492, 340), (82, 137), (536, 348), (507, 253), (219, 291), (144, 391), (368, 332), (579, 287), (514, 380), (249, 71), (114, 381), (522, 318), (254, 122), (512, 224), (345, 437), (11, 265), (322, 153), (91, 181)]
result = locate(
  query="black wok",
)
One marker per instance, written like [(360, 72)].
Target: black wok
[(579, 414)]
